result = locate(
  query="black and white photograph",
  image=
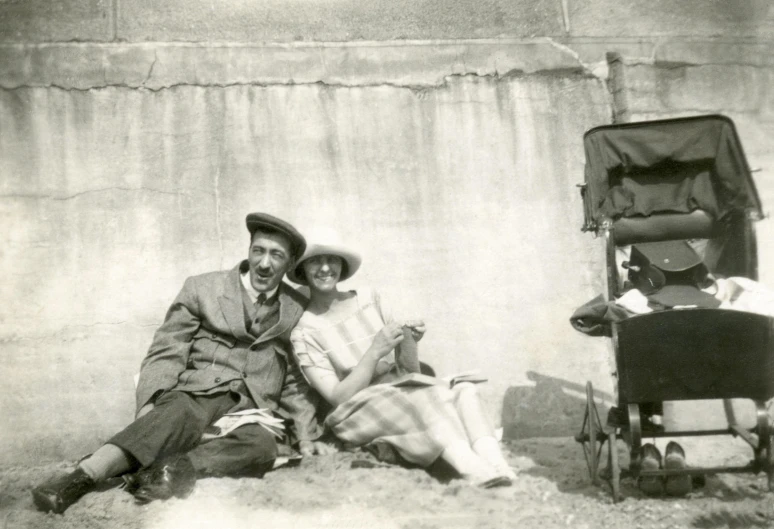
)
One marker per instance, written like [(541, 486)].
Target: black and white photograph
[(434, 264)]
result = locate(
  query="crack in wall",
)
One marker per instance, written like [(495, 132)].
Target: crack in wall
[(100, 190), (152, 66), (218, 227), (114, 20), (465, 59), (599, 71), (265, 84), (596, 70)]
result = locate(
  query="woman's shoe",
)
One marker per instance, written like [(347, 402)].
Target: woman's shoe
[(651, 460), (487, 477), (499, 481), (505, 470), (674, 459)]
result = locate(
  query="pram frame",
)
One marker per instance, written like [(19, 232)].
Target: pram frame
[(593, 436)]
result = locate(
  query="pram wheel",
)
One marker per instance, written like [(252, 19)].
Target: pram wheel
[(591, 436), (635, 436)]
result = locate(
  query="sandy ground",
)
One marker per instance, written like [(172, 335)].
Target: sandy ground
[(553, 490)]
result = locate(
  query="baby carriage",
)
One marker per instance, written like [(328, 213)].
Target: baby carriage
[(687, 180)]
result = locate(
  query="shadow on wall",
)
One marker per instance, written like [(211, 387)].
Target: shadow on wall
[(553, 407)]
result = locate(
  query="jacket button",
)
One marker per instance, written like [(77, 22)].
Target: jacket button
[(217, 380), (244, 374)]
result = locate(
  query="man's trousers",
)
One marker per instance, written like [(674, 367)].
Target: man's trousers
[(176, 425)]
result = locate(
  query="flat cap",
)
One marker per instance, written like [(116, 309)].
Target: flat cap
[(264, 220)]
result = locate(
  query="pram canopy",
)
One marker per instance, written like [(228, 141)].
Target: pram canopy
[(675, 166)]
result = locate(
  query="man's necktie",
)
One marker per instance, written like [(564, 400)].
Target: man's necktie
[(260, 307)]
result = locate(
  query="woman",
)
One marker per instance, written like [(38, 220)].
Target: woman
[(345, 341)]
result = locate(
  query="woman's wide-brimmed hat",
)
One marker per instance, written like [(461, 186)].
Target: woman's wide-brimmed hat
[(326, 242)]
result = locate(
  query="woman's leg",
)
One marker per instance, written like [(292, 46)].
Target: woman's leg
[(469, 409), (469, 464), (480, 433)]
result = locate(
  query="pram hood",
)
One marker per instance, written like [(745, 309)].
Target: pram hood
[(703, 148)]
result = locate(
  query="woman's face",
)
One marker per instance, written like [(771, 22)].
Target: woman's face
[(323, 272)]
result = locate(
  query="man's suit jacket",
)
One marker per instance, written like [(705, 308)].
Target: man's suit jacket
[(204, 343)]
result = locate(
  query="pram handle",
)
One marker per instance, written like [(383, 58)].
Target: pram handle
[(588, 221)]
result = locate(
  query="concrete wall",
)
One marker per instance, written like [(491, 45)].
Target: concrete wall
[(129, 159), (380, 20)]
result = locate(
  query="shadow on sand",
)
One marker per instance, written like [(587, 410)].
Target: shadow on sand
[(540, 422)]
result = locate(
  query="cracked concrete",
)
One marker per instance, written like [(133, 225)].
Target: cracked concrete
[(126, 167), (409, 64), (219, 229), (159, 66), (129, 222), (100, 190), (150, 70)]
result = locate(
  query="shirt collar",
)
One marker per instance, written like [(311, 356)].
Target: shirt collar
[(251, 292)]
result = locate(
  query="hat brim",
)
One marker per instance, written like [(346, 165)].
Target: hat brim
[(350, 257), (256, 221)]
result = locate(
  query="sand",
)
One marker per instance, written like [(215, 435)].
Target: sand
[(553, 490)]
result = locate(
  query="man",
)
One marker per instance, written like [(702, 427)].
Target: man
[(223, 347)]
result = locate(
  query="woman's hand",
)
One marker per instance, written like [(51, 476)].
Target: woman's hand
[(386, 339), (382, 367), (417, 327)]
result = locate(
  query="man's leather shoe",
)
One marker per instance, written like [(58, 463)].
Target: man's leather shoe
[(170, 476), (674, 459), (651, 460), (58, 494)]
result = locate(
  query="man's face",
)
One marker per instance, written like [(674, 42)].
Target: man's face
[(269, 258)]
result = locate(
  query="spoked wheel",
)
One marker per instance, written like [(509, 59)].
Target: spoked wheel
[(591, 436)]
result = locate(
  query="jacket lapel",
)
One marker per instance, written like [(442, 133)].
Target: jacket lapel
[(232, 306)]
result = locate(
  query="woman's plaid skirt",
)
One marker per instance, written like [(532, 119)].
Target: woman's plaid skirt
[(420, 422)]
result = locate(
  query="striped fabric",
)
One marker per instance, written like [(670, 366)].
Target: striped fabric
[(418, 421)]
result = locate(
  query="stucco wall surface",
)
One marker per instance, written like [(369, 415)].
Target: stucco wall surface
[(461, 199), (350, 20), (129, 159)]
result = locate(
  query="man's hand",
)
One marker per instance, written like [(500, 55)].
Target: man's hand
[(310, 448)]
